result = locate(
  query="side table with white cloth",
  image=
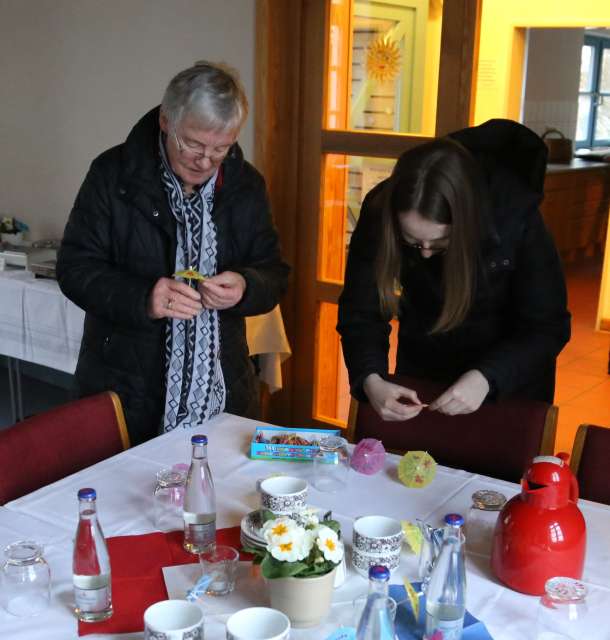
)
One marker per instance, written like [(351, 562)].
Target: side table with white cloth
[(39, 324), (125, 487)]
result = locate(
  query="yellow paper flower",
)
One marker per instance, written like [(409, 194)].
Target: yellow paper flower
[(383, 59), (189, 274)]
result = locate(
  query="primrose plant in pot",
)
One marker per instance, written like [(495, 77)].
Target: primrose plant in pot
[(299, 564)]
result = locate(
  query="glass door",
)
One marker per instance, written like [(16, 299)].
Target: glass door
[(391, 74)]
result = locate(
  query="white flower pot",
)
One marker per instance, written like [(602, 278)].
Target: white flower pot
[(306, 601)]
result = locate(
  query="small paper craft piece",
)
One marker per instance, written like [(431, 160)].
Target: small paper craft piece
[(408, 628), (413, 536), (416, 469), (189, 274), (413, 599), (368, 456)]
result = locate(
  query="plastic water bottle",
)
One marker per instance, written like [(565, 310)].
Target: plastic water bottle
[(91, 564), (199, 501), (446, 592), (376, 621)]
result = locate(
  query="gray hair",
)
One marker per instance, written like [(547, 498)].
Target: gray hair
[(209, 92)]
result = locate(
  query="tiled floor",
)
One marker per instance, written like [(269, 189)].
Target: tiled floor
[(583, 384)]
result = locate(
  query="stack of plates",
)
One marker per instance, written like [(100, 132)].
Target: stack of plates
[(250, 532)]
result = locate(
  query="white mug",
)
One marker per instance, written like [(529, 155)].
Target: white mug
[(283, 494), (258, 623), (173, 620)]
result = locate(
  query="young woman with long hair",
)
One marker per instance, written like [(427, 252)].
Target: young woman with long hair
[(453, 245)]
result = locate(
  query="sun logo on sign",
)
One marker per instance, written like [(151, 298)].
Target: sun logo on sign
[(383, 59)]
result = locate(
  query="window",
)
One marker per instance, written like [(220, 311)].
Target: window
[(593, 125)]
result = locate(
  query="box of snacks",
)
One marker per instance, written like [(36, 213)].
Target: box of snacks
[(281, 443)]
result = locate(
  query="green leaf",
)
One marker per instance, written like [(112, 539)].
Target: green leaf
[(332, 524), (272, 568), (259, 554)]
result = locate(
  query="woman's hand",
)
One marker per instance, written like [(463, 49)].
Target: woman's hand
[(384, 397), (222, 291), (465, 395), (172, 299)]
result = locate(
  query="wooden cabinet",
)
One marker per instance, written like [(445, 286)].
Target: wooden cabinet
[(575, 206)]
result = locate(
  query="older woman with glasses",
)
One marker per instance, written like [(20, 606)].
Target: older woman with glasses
[(453, 245), (176, 195)]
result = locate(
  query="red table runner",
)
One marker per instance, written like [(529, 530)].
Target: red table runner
[(137, 579)]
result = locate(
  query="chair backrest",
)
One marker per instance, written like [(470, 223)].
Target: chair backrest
[(590, 462), (51, 445), (498, 440)]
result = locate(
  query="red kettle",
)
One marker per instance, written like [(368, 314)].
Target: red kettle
[(540, 533)]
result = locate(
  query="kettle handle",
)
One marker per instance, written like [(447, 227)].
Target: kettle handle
[(574, 491)]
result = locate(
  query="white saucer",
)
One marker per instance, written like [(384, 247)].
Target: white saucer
[(249, 533)]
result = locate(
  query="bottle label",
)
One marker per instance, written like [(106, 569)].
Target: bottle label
[(91, 600), (202, 534), (445, 630)]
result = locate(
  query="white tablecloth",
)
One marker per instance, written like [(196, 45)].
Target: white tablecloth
[(125, 485), (39, 324)]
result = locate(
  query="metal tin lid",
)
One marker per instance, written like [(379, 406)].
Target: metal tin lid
[(561, 589), (454, 519), (87, 494), (488, 500), (377, 572), (199, 439)]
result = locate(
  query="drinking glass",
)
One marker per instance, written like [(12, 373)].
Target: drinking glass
[(220, 566), (168, 498), (481, 520), (25, 579), (331, 464), (562, 610)]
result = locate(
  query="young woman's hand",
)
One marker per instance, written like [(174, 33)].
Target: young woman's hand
[(384, 397), (465, 395)]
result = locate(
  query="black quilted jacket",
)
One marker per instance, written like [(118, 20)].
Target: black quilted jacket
[(121, 238), (518, 322)]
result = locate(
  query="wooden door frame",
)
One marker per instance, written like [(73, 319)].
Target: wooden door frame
[(289, 146)]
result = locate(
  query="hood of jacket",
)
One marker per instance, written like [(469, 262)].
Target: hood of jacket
[(505, 144)]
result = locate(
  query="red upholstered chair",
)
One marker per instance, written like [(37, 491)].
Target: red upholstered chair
[(498, 440), (56, 443), (590, 462)]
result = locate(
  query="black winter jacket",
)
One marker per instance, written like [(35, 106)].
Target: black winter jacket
[(518, 322), (121, 238)]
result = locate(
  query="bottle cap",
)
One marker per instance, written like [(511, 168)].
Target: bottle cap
[(87, 494), (454, 519), (377, 572), (199, 439)]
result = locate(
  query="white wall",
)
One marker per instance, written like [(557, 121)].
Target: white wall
[(552, 78), (76, 75)]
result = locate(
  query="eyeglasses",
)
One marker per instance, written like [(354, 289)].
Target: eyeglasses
[(418, 246), (199, 152)]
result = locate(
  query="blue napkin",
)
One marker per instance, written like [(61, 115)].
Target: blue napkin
[(408, 629)]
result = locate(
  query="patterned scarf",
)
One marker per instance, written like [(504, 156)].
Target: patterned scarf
[(195, 388)]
